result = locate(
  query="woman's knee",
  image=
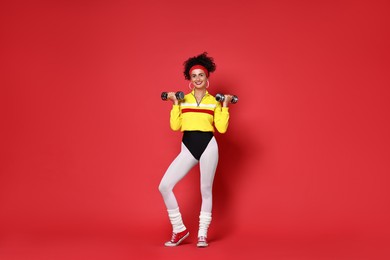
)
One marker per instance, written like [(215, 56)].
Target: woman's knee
[(164, 187)]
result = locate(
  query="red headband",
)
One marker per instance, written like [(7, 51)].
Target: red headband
[(199, 67)]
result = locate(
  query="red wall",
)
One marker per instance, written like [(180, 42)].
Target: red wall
[(85, 138)]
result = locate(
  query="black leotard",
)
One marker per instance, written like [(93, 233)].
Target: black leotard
[(196, 142)]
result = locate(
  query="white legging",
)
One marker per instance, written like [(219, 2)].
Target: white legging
[(182, 164)]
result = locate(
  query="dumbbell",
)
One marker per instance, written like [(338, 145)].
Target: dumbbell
[(221, 98), (179, 95)]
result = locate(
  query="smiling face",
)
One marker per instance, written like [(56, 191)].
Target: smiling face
[(198, 79)]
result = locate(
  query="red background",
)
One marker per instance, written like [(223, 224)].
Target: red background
[(85, 139)]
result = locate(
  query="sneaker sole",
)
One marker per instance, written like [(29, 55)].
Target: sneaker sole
[(202, 245)]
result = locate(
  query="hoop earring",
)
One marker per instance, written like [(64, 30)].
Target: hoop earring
[(208, 84), (189, 85)]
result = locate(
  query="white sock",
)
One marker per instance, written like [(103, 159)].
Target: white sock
[(176, 220), (204, 222)]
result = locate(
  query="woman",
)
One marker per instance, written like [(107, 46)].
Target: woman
[(196, 116)]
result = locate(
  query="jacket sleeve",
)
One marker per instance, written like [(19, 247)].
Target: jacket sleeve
[(175, 119), (221, 118)]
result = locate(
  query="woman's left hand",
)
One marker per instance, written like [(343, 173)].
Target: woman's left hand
[(228, 99)]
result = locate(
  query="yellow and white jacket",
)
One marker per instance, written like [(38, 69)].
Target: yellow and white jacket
[(191, 116)]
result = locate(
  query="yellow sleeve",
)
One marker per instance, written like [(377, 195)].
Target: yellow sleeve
[(221, 118), (175, 119)]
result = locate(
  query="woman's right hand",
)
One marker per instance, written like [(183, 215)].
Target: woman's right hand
[(172, 97)]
